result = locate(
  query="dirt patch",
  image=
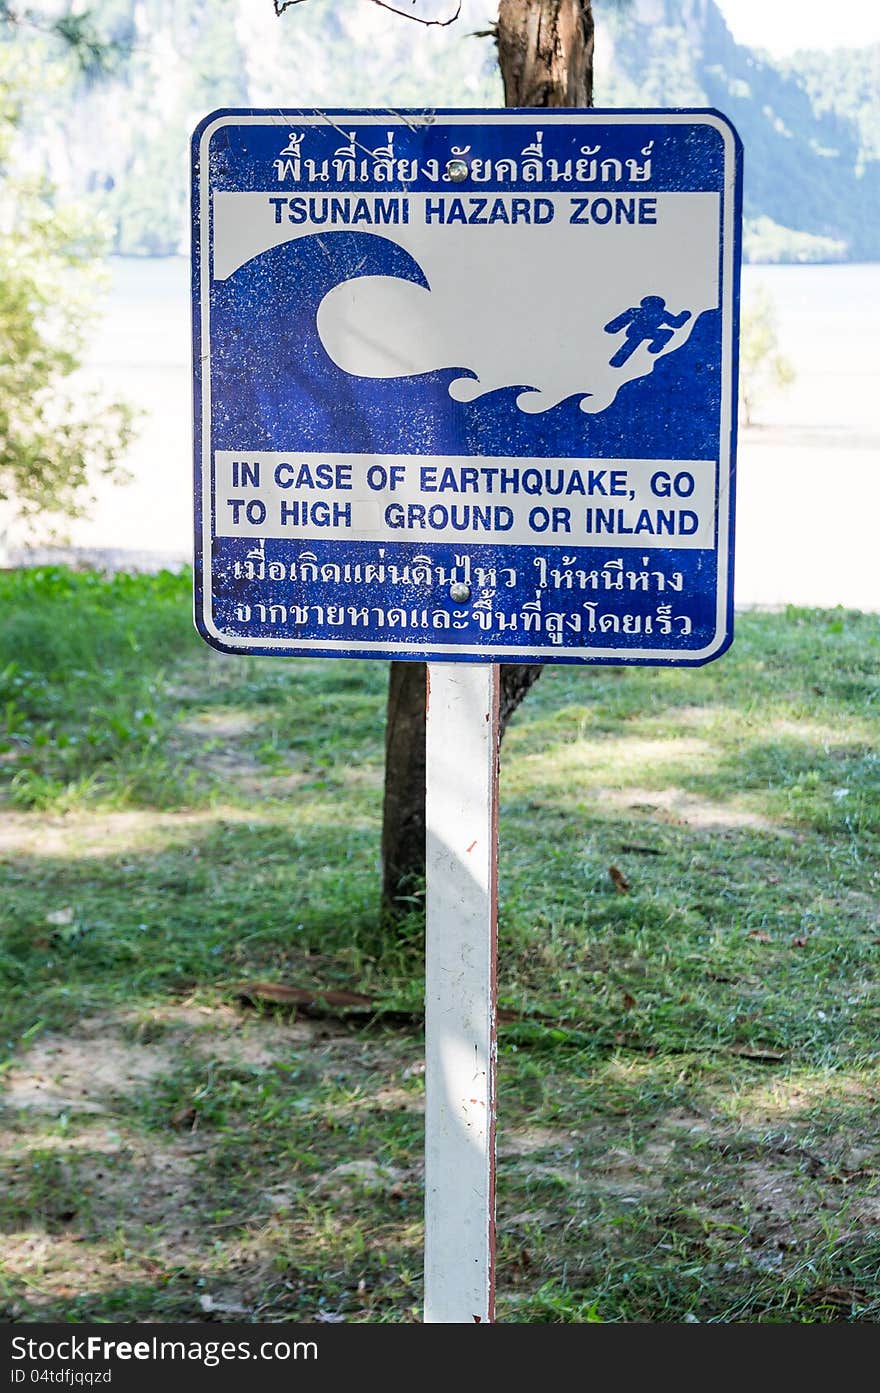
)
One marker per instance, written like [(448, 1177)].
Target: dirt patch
[(630, 751), (675, 805), (586, 1161), (95, 1198), (114, 1055), (781, 1102), (527, 1142), (121, 1211), (219, 725), (364, 1174), (77, 836), (82, 1073)]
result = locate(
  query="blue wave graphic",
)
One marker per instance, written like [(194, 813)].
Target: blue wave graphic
[(279, 390)]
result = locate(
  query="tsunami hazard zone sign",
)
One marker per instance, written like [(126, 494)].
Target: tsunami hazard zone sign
[(465, 383)]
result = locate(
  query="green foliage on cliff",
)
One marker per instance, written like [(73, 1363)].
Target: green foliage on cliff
[(810, 126), (846, 84), (129, 139), (767, 241)]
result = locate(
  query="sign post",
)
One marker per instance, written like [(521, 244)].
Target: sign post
[(464, 393), (461, 816)]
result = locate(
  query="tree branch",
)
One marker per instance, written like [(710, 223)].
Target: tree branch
[(282, 5), (440, 23)]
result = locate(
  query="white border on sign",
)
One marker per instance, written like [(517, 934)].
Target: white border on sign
[(431, 650)]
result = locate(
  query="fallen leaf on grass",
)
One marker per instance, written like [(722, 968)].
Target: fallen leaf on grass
[(318, 1003), (230, 1308), (844, 1176), (800, 942), (841, 1297), (620, 881), (65, 928), (60, 916), (629, 1002), (283, 995), (631, 1042), (757, 1052), (186, 1117), (761, 936)]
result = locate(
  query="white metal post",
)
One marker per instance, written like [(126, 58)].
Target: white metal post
[(460, 995)]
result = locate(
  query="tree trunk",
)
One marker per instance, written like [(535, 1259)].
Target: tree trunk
[(403, 809), (545, 52)]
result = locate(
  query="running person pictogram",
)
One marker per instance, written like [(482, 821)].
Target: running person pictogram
[(648, 322)]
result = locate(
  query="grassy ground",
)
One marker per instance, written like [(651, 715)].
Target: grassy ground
[(688, 1093)]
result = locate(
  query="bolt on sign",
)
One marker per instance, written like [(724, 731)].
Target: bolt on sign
[(465, 383)]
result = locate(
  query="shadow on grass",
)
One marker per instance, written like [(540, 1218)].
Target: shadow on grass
[(647, 1189)]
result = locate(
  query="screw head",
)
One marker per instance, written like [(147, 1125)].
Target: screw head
[(458, 591), (457, 170)]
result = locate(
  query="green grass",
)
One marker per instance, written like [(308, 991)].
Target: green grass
[(687, 1099)]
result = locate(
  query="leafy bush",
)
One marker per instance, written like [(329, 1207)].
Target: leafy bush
[(53, 436), (762, 368)]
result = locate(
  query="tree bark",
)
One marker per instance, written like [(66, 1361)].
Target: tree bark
[(403, 809), (545, 52)]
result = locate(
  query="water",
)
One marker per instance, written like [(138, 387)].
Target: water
[(808, 491), (808, 477), (141, 352), (826, 318)]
